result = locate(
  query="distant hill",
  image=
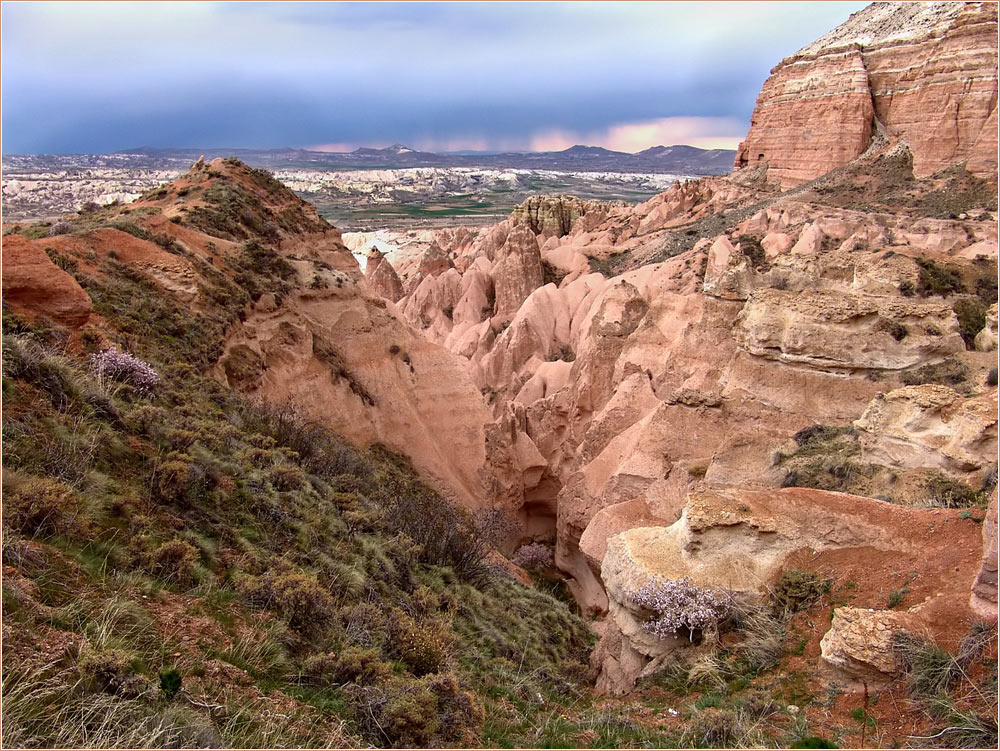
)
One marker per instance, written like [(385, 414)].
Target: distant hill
[(678, 159)]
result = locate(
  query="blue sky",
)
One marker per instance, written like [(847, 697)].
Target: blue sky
[(97, 77)]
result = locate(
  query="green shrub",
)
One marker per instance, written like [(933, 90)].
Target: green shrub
[(946, 373), (357, 665), (813, 741), (421, 646), (299, 597), (894, 328), (929, 669), (944, 492), (460, 714), (714, 728), (754, 251), (798, 590), (936, 280), (971, 314), (131, 228), (409, 718), (286, 477), (170, 682), (40, 507), (175, 561), (176, 481), (110, 670)]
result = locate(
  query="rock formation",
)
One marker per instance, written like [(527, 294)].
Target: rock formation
[(33, 284), (925, 73), (631, 354), (382, 278)]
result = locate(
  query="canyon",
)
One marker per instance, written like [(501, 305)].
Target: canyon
[(792, 367)]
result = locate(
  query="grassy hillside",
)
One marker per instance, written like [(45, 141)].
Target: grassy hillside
[(182, 566)]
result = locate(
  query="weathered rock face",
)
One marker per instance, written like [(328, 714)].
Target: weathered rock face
[(846, 331), (342, 357), (517, 270), (984, 591), (555, 215), (931, 427), (647, 366), (986, 340), (927, 72), (34, 285), (813, 114)]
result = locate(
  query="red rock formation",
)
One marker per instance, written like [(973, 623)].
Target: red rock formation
[(926, 71), (34, 285), (382, 277)]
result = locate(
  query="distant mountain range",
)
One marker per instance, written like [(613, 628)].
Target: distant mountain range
[(686, 160)]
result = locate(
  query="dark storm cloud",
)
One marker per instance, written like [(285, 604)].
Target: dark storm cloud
[(81, 77)]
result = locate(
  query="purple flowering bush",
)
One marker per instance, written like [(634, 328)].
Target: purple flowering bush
[(679, 604), (113, 365), (534, 555)]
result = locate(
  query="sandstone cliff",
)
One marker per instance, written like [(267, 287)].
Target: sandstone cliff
[(922, 72)]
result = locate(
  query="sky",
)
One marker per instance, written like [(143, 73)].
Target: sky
[(81, 77)]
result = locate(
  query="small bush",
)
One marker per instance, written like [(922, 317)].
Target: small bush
[(813, 741), (60, 228), (929, 669), (286, 477), (991, 377), (352, 665), (678, 604), (410, 718), (533, 556), (110, 671), (421, 646), (754, 251), (170, 682), (298, 597), (124, 368), (174, 561), (460, 714), (131, 228), (947, 493), (971, 314), (713, 728), (893, 328), (797, 590), (176, 481), (946, 373), (936, 280), (41, 507), (763, 639)]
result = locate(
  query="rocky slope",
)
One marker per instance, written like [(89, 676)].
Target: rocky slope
[(643, 355), (924, 73), (317, 341)]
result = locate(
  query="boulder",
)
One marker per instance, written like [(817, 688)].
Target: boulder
[(859, 644)]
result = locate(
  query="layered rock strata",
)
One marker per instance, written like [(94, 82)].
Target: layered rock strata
[(925, 73)]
